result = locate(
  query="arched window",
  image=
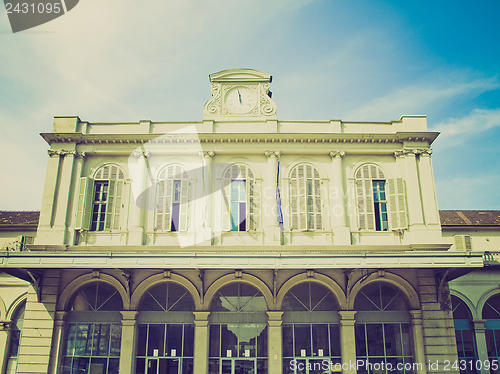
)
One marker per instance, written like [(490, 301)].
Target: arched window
[(16, 328), (172, 199), (311, 334), (491, 313), (238, 330), (383, 328), (165, 339), (381, 202), (305, 198), (241, 199), (464, 334), (93, 332), (100, 200)]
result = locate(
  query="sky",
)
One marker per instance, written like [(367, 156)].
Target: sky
[(367, 60)]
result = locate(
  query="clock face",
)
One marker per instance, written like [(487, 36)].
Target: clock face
[(240, 100)]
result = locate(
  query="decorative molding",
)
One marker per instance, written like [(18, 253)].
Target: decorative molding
[(62, 152), (275, 154), (413, 151), (267, 105), (207, 154), (141, 154), (339, 154)]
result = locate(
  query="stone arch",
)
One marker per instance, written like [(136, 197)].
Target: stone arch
[(163, 277), (483, 299), (390, 278), (14, 306), (316, 278), (82, 280), (359, 165), (467, 302), (244, 278)]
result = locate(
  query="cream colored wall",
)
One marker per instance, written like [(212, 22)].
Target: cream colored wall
[(68, 164), (481, 239)]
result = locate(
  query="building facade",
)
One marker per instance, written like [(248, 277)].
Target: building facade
[(239, 244)]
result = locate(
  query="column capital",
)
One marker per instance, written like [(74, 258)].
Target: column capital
[(201, 315), (53, 153), (207, 154), (347, 317), (416, 317), (479, 325), (5, 325), (67, 152), (337, 154), (129, 315), (141, 154), (60, 318), (273, 154), (80, 154)]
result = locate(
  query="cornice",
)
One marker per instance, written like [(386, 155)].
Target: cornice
[(252, 138)]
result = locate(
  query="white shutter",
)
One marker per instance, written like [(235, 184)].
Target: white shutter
[(84, 204), (111, 205), (463, 242), (159, 205), (226, 205), (184, 205), (397, 203), (364, 195), (253, 204), (302, 198), (294, 210)]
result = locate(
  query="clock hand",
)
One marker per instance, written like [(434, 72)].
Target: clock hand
[(239, 95)]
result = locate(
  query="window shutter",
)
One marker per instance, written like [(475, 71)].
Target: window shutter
[(397, 203), (364, 193), (253, 204), (463, 243), (226, 205), (184, 205), (302, 198), (111, 205), (159, 204), (84, 204)]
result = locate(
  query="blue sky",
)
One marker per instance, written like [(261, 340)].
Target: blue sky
[(123, 60)]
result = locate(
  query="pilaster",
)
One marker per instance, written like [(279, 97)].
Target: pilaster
[(201, 333), (275, 344), (482, 348), (429, 201), (139, 199), (272, 231), (418, 340), (208, 196), (407, 160), (342, 235), (4, 344), (57, 342), (127, 347), (348, 339)]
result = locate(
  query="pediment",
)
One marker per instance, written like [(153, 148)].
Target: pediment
[(240, 75)]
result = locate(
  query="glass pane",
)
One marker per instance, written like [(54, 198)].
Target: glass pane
[(140, 366), (407, 339), (302, 340), (70, 341), (188, 341), (214, 349), (114, 365), (320, 340), (375, 340), (262, 366), (156, 340), (66, 366), (174, 340), (360, 340), (98, 365), (335, 340), (490, 343), (287, 340), (288, 366), (187, 366), (80, 365), (142, 334), (244, 366), (393, 346), (101, 340), (229, 343), (83, 342), (213, 366), (262, 343), (226, 367), (169, 365), (116, 335)]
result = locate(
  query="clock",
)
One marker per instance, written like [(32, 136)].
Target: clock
[(240, 100)]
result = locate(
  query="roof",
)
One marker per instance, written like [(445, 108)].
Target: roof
[(470, 217), (19, 218)]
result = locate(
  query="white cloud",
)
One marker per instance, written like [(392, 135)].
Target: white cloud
[(418, 98), (456, 131)]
